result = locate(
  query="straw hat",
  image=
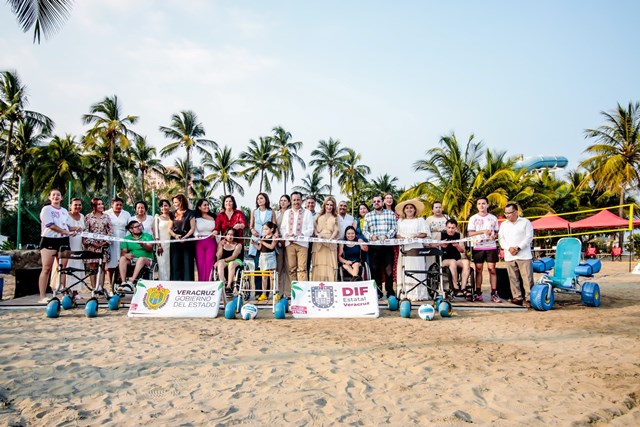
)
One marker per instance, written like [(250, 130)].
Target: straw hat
[(415, 202)]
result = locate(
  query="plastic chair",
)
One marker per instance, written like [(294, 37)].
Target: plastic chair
[(616, 253)]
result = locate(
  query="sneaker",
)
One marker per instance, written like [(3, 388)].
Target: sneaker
[(262, 297), (495, 297), (478, 297)]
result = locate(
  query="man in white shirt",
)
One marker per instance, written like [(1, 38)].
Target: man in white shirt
[(515, 238), (344, 219), (297, 222)]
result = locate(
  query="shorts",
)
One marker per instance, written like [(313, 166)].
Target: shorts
[(54, 243), (237, 261), (482, 256)]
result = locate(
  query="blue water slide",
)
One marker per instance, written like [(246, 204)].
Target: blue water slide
[(542, 162)]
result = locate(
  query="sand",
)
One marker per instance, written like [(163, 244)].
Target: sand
[(570, 366)]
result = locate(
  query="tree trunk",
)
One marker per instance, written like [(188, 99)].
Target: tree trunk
[(110, 177), (286, 178), (187, 175), (142, 183), (7, 152), (330, 181)]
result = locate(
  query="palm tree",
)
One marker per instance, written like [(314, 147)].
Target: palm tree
[(451, 175), (185, 131), (260, 159), (45, 16), (57, 163), (287, 153), (312, 186), (183, 171), (109, 127), (352, 175), (143, 157), (27, 136), (496, 179), (329, 155), (615, 156), (223, 166), (13, 100), (380, 185)]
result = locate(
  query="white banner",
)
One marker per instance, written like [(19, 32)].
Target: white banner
[(155, 298), (334, 299)]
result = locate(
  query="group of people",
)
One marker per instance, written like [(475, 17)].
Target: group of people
[(202, 240)]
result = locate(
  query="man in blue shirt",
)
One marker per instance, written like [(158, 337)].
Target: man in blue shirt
[(381, 224)]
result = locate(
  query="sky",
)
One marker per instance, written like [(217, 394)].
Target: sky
[(387, 79)]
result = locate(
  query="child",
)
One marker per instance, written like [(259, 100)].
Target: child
[(266, 245)]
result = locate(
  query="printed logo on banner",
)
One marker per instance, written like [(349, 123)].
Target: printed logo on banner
[(156, 298), (322, 296)]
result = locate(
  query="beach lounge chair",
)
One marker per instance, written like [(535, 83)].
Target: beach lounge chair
[(567, 272)]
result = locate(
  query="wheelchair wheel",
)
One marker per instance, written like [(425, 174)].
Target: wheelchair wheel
[(590, 294), (438, 301), (445, 309), (542, 297), (285, 303), (230, 310), (91, 309), (405, 308), (53, 308), (114, 302), (67, 302), (280, 310), (393, 303)]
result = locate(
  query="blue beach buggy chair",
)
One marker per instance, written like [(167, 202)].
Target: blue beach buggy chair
[(566, 276)]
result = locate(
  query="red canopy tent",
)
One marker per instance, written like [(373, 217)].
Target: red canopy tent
[(550, 222), (603, 219)]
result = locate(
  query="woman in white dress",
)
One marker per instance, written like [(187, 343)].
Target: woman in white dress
[(141, 216), (119, 220), (161, 231), (284, 283), (411, 226)]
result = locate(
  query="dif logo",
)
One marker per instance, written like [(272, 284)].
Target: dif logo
[(357, 291)]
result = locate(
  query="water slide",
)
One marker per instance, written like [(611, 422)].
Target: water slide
[(542, 162)]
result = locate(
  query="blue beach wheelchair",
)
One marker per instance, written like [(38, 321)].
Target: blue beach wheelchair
[(567, 271)]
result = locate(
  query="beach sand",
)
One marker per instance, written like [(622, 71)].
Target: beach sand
[(570, 366)]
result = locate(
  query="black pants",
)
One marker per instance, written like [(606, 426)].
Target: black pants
[(381, 259), (182, 261)]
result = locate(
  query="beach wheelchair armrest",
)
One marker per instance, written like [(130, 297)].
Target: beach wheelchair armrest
[(543, 265), (588, 268)]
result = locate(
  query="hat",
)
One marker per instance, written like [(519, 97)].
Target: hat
[(415, 202)]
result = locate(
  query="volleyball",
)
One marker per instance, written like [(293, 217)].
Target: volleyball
[(426, 312), (248, 311)]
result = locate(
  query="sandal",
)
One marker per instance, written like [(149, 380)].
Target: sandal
[(516, 301)]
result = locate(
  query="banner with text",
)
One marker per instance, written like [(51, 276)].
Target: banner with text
[(155, 298), (334, 299)]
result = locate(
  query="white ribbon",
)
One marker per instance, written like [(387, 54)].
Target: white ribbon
[(385, 242)]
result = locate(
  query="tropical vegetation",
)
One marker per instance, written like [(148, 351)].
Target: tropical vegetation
[(111, 158)]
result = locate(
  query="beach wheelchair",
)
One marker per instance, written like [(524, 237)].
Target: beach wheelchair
[(567, 271), (66, 296), (123, 288), (243, 288), (434, 279)]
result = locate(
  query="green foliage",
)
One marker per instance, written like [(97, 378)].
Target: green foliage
[(633, 244)]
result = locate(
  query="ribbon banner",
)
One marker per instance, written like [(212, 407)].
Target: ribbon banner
[(386, 242), (155, 298), (334, 299)]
